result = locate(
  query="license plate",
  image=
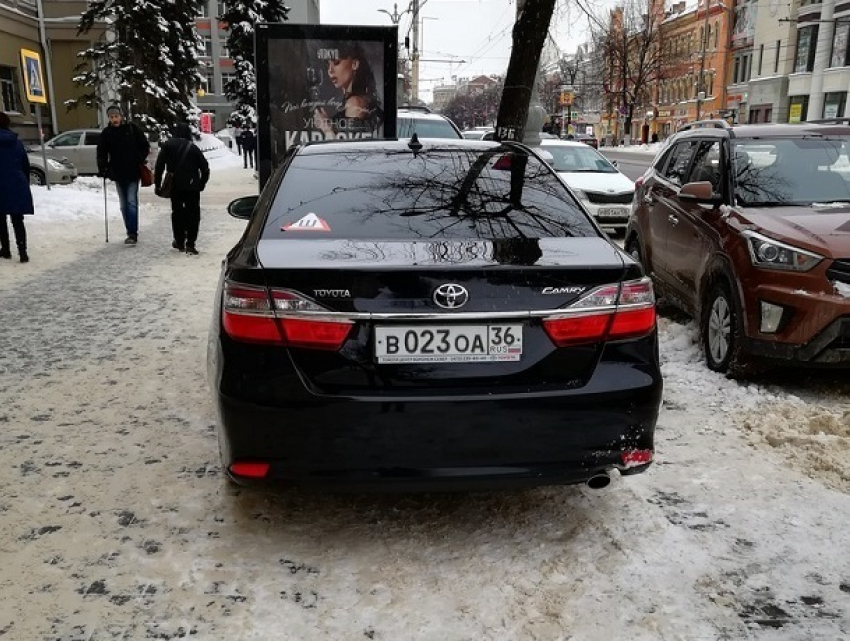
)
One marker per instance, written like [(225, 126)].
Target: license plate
[(448, 344), (612, 212)]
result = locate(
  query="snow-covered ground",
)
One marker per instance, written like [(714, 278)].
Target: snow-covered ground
[(116, 524)]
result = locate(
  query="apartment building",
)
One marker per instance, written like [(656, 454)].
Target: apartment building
[(21, 24), (218, 67)]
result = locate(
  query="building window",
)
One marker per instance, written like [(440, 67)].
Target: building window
[(206, 46), (798, 108), (220, 8), (833, 104), (839, 45), (225, 50), (209, 78), (203, 11), (9, 96), (807, 38)]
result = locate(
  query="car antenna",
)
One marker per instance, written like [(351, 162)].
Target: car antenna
[(414, 145)]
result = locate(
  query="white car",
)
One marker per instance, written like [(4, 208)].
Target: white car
[(604, 191)]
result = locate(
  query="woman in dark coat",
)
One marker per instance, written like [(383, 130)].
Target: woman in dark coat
[(15, 194)]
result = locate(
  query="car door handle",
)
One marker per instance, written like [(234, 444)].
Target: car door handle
[(673, 219)]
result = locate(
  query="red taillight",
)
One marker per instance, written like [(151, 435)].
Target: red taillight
[(247, 315), (254, 314), (634, 458), (315, 334), (249, 469), (577, 329), (610, 312)]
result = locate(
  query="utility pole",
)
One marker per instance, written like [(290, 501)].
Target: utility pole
[(395, 16), (414, 57)]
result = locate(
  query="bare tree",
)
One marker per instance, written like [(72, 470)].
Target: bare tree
[(529, 34), (629, 39)]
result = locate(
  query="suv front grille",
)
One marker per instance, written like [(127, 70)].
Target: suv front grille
[(610, 199), (839, 270)]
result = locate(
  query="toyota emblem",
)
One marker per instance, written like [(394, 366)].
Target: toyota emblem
[(451, 296)]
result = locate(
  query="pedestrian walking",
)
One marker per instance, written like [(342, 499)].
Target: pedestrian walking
[(122, 150), (15, 193), (249, 147), (237, 136), (182, 165)]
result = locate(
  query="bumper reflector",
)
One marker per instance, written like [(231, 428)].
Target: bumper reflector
[(771, 316), (634, 458), (249, 469)]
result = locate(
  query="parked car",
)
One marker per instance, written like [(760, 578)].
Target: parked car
[(429, 314), (79, 146), (478, 133), (747, 229), (60, 170), (587, 139), (602, 188), (226, 136), (424, 123)]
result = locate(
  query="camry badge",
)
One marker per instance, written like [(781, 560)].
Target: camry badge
[(451, 296)]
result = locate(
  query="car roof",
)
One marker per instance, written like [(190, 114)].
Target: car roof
[(556, 142), (420, 115), (766, 130), (377, 145)]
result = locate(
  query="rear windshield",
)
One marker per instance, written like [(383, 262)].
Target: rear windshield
[(425, 128), (498, 193), (791, 171)]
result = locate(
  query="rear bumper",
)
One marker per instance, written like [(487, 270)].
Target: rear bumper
[(484, 442)]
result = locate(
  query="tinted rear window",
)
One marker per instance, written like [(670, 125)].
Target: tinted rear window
[(425, 128), (437, 194)]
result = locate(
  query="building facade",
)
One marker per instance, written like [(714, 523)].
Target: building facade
[(22, 23), (218, 66)]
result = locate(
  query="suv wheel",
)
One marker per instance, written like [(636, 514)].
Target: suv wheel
[(721, 329), (37, 177)]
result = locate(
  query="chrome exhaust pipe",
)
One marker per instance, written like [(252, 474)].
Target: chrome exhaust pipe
[(599, 481)]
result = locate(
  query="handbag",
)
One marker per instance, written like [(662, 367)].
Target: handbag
[(145, 175), (167, 185)]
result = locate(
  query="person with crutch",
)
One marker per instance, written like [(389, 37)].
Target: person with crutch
[(121, 152)]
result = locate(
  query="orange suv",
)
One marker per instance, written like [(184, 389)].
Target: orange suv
[(747, 229)]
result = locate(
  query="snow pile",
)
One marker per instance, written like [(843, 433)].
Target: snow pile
[(81, 199), (816, 443)]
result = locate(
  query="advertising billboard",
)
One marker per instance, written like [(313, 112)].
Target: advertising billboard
[(322, 82)]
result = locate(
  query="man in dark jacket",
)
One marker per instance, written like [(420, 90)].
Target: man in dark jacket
[(190, 173), (15, 194), (121, 151), (249, 146)]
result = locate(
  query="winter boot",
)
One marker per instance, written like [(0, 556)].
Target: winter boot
[(5, 253), (190, 249), (22, 252)]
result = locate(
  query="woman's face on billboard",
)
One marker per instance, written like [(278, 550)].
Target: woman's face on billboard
[(341, 72)]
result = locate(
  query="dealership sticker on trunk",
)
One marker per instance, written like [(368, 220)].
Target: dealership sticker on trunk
[(310, 222)]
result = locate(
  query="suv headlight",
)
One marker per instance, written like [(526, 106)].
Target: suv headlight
[(771, 254), (55, 164), (579, 193)]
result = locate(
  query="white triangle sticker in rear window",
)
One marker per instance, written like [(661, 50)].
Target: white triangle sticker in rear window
[(310, 222)]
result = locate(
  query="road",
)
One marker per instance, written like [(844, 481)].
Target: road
[(115, 522), (633, 164)]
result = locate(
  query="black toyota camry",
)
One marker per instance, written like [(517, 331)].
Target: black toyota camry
[(429, 314)]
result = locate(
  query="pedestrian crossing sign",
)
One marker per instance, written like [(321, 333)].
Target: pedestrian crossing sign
[(33, 77)]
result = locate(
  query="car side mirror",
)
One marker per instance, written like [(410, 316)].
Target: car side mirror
[(243, 207), (700, 192)]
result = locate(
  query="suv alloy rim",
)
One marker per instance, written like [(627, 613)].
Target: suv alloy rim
[(719, 328)]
